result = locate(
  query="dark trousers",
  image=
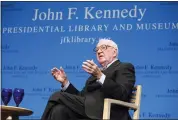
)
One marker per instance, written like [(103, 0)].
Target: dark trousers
[(65, 106)]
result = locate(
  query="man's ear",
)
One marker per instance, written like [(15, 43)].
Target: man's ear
[(114, 53)]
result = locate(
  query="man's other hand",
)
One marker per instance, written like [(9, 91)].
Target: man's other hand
[(59, 75)]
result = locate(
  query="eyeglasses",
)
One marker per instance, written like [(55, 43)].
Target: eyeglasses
[(102, 47)]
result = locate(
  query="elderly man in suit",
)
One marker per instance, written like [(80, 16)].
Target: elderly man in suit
[(115, 81)]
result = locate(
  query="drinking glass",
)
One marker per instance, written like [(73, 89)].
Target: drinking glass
[(18, 95), (6, 95)]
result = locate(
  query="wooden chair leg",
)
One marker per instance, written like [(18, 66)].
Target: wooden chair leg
[(107, 108), (136, 114)]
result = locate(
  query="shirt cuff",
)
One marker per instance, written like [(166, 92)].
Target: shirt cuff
[(66, 86), (102, 79)]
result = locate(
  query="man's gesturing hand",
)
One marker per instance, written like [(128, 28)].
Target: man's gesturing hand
[(59, 75), (90, 67)]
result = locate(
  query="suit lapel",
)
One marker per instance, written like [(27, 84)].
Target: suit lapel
[(111, 67)]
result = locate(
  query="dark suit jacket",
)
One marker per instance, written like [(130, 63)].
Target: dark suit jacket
[(119, 82)]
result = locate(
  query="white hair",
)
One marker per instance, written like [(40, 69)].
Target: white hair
[(108, 42)]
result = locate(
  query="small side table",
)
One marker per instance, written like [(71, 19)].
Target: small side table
[(13, 113)]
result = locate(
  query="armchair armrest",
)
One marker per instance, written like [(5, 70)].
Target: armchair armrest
[(107, 106), (134, 103)]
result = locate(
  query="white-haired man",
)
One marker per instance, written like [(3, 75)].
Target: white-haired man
[(116, 81)]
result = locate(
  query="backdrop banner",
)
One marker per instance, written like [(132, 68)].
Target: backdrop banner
[(37, 36)]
